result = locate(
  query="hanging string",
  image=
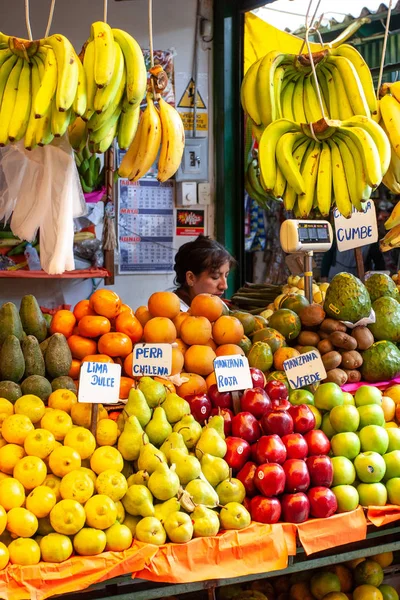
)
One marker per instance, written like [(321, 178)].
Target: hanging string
[(105, 11), (312, 20), (27, 20), (384, 49), (155, 96), (50, 20)]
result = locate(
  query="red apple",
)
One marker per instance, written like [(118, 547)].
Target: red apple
[(227, 414), (321, 470), (295, 507), (323, 502), (270, 479), (277, 390), (297, 475), (246, 426), (280, 404), (270, 448), (247, 503), (265, 510), (200, 406), (253, 452), (258, 378), (277, 421), (317, 442), (303, 418), (219, 399), (296, 445), (237, 453), (256, 401), (246, 476)]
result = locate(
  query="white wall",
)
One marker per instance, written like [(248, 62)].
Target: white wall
[(173, 28)]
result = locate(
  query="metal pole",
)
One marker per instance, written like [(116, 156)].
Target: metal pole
[(308, 276)]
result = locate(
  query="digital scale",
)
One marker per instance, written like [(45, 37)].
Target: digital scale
[(306, 237)]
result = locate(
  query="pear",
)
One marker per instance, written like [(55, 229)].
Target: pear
[(217, 422), (189, 429), (127, 469), (138, 501), (231, 490), (131, 522), (173, 442), (150, 531), (179, 527), (186, 467), (137, 406), (162, 511), (175, 407), (234, 516), (121, 422), (149, 458), (140, 478), (154, 391), (131, 439), (214, 469), (164, 482), (158, 429), (210, 442), (202, 493), (205, 522)]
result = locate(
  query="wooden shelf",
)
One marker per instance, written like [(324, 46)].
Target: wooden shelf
[(78, 274)]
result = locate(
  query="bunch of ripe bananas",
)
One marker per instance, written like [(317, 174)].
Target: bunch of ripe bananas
[(389, 108)]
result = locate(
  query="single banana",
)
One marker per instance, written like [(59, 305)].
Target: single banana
[(106, 142), (105, 96), (136, 75), (248, 93), (22, 107), (363, 72), (369, 153), (278, 80), (287, 163), (44, 134), (390, 111), (290, 196), (311, 103), (267, 149), (5, 73), (40, 60), (98, 120), (326, 78), (347, 33), (5, 54), (324, 181), (79, 104), (298, 101), (172, 141), (265, 86), (395, 90), (354, 89), (127, 127), (350, 173), (364, 190), (60, 120), (255, 180), (104, 53), (91, 87), (340, 189), (391, 239), (378, 135), (323, 86), (8, 102), (99, 134), (30, 133), (287, 101), (48, 85), (394, 218), (343, 103), (77, 133), (391, 182), (309, 172), (67, 70), (280, 184)]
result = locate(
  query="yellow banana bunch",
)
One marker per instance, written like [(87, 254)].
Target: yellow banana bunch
[(389, 108)]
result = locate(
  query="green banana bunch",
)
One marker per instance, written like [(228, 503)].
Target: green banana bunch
[(91, 175)]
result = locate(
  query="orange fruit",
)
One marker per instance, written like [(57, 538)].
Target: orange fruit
[(199, 359), (195, 385), (228, 349), (115, 344), (127, 366), (102, 358), (211, 380), (207, 305), (169, 386), (63, 322), (81, 346), (125, 386), (143, 315), (83, 309), (196, 330), (125, 307), (178, 321), (181, 345), (75, 369), (127, 323), (106, 303), (164, 304), (211, 344), (159, 330), (93, 326), (283, 354), (177, 361), (227, 330)]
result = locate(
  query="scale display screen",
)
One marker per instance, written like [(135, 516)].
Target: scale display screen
[(312, 233)]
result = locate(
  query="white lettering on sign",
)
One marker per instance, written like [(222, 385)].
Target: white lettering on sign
[(152, 360), (359, 230), (99, 383), (305, 369), (232, 373)]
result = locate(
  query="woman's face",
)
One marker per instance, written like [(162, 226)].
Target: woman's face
[(208, 282)]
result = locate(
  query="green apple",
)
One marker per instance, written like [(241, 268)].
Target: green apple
[(346, 444), (344, 472), (317, 415), (348, 399), (372, 494), (347, 497), (297, 397), (394, 439), (328, 395), (370, 467), (326, 426), (368, 394), (344, 418), (393, 490), (371, 414), (392, 460), (374, 438), (388, 592)]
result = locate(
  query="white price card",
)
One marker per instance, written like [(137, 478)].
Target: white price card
[(305, 369), (99, 383), (232, 373), (359, 230), (154, 360)]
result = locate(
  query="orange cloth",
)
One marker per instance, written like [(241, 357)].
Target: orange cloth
[(382, 515)]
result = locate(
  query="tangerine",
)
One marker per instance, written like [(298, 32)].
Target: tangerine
[(181, 345), (75, 369), (159, 330), (195, 384), (106, 303), (164, 304), (115, 344), (81, 346), (127, 323), (125, 386), (101, 358), (227, 330), (178, 321), (207, 305), (93, 326), (228, 349), (63, 322), (200, 359), (283, 354), (143, 315), (83, 309), (195, 330), (211, 380), (177, 361)]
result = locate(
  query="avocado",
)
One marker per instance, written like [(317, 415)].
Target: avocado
[(347, 299), (10, 391), (58, 356), (387, 319), (10, 322), (34, 361), (12, 363), (379, 285), (32, 319), (37, 385), (63, 383), (381, 362)]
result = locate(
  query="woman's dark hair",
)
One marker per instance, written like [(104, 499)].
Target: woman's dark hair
[(203, 254)]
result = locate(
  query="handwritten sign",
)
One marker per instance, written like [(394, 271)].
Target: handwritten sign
[(99, 383), (152, 360), (232, 373), (305, 369), (359, 230)]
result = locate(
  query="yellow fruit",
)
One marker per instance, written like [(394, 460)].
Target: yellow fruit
[(58, 422), (30, 471), (4, 556), (89, 541), (4, 476), (107, 432), (63, 460), (111, 483), (10, 455), (44, 527), (53, 482), (12, 493), (81, 440), (55, 547), (368, 572), (317, 415), (81, 414), (40, 501), (101, 512), (62, 400), (6, 407), (367, 592), (3, 442), (131, 522), (390, 425), (389, 408), (89, 472), (119, 538), (24, 552), (394, 393), (120, 511), (68, 517), (21, 522), (15, 428), (31, 406), (39, 442), (353, 563), (77, 485), (3, 520), (384, 559), (106, 457)]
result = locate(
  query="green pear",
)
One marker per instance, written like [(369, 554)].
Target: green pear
[(179, 527), (189, 429), (187, 467), (121, 421), (175, 407), (205, 522), (202, 493), (210, 442), (131, 439), (158, 429), (164, 482), (149, 458), (234, 516), (154, 391), (137, 406), (163, 510), (140, 478), (127, 469), (173, 442), (150, 531), (214, 469), (231, 490), (131, 522), (217, 422), (138, 501)]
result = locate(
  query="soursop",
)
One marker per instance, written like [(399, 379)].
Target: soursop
[(387, 320), (381, 362), (347, 299), (379, 285)]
